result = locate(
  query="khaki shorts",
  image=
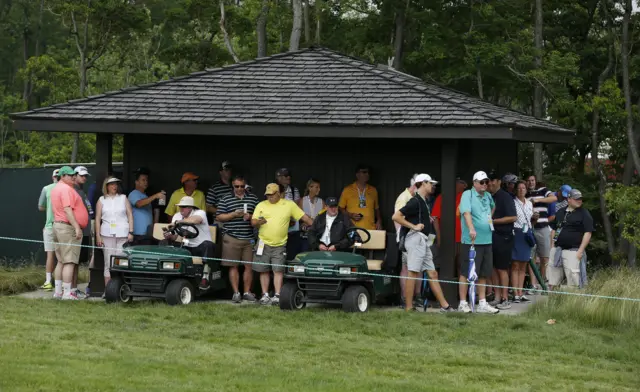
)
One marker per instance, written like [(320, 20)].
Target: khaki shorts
[(47, 236), (67, 247), (272, 259), (235, 249), (570, 269)]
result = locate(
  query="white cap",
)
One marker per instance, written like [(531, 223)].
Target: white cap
[(82, 171), (424, 178), (187, 201), (479, 176), (55, 173)]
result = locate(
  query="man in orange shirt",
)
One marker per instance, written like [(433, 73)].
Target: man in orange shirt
[(70, 217), (461, 185), (360, 201)]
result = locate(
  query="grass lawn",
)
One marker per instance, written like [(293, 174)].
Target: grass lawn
[(86, 346), (15, 280)]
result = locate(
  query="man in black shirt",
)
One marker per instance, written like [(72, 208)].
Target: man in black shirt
[(415, 219), (570, 235), (502, 239), (541, 197)]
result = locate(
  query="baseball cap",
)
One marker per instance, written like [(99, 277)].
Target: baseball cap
[(225, 165), (510, 178), (66, 171), (112, 180), (188, 176), (479, 176), (271, 189), (331, 202), (81, 171), (142, 170), (283, 172), (575, 194), (425, 178), (564, 190), (55, 173)]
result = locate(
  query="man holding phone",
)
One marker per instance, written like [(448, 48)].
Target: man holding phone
[(360, 201)]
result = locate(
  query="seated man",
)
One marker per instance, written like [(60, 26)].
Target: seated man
[(201, 246), (329, 229)]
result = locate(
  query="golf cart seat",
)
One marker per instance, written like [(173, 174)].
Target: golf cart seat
[(378, 242)]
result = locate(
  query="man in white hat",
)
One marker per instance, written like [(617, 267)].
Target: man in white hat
[(417, 228), (44, 205), (476, 215), (201, 246), (402, 201)]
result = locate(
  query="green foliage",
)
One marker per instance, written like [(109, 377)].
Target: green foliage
[(624, 202)]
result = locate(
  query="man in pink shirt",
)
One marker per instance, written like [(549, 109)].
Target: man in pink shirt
[(69, 218)]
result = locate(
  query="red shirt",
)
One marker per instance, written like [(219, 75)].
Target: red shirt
[(436, 213), (63, 195)]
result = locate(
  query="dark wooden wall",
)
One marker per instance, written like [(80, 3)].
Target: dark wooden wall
[(332, 161)]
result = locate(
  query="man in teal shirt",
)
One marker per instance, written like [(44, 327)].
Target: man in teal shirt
[(44, 204), (476, 212)]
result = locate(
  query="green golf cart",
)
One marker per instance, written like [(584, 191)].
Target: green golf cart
[(349, 279), (162, 271)]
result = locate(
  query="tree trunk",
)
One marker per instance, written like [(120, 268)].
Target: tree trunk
[(319, 4), (307, 27), (479, 78), (261, 29), (25, 58), (227, 40), (537, 90), (296, 30), (401, 19), (625, 83), (595, 159)]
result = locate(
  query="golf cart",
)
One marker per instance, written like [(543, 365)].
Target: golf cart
[(162, 271), (343, 278)]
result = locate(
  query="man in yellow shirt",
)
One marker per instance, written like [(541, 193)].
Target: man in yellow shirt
[(360, 201), (272, 218), (189, 184)]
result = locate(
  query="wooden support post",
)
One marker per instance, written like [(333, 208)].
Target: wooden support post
[(449, 161), (104, 149)]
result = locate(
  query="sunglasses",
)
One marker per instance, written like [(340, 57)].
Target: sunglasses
[(483, 182), (239, 186)]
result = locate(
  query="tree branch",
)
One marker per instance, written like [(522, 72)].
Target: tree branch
[(227, 40)]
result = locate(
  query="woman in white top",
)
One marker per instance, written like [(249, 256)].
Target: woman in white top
[(114, 222), (311, 204), (521, 249)]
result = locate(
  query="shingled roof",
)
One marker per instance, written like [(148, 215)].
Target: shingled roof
[(314, 86)]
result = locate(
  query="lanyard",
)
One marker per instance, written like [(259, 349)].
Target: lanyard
[(363, 195)]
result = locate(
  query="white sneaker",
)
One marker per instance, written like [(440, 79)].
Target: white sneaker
[(464, 308), (486, 308), (275, 300)]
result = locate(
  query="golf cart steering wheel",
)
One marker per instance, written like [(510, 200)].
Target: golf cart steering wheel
[(185, 230), (353, 236)]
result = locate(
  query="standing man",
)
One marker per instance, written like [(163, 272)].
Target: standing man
[(476, 211), (141, 208), (402, 201), (86, 251), (44, 205), (272, 218), (70, 217), (220, 188), (416, 221), (189, 188), (570, 235), (360, 201), (294, 242), (541, 197), (238, 240), (461, 185), (504, 216), (563, 195)]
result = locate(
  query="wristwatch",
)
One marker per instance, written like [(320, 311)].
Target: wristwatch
[(131, 232)]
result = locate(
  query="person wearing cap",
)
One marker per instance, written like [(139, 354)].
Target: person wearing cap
[(142, 208), (201, 246), (504, 216), (70, 217), (220, 188), (415, 219), (541, 197), (329, 229), (402, 201), (294, 241), (570, 236), (272, 218), (189, 183), (461, 185), (562, 195), (238, 237), (114, 222), (44, 205), (509, 182), (360, 201), (476, 212)]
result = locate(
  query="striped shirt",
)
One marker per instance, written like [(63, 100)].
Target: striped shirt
[(540, 208), (217, 191), (238, 227)]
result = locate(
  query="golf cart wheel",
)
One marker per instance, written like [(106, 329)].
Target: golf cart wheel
[(179, 292), (356, 299), (117, 291), (291, 297)]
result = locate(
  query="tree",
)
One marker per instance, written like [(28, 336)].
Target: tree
[(296, 30), (538, 98)]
